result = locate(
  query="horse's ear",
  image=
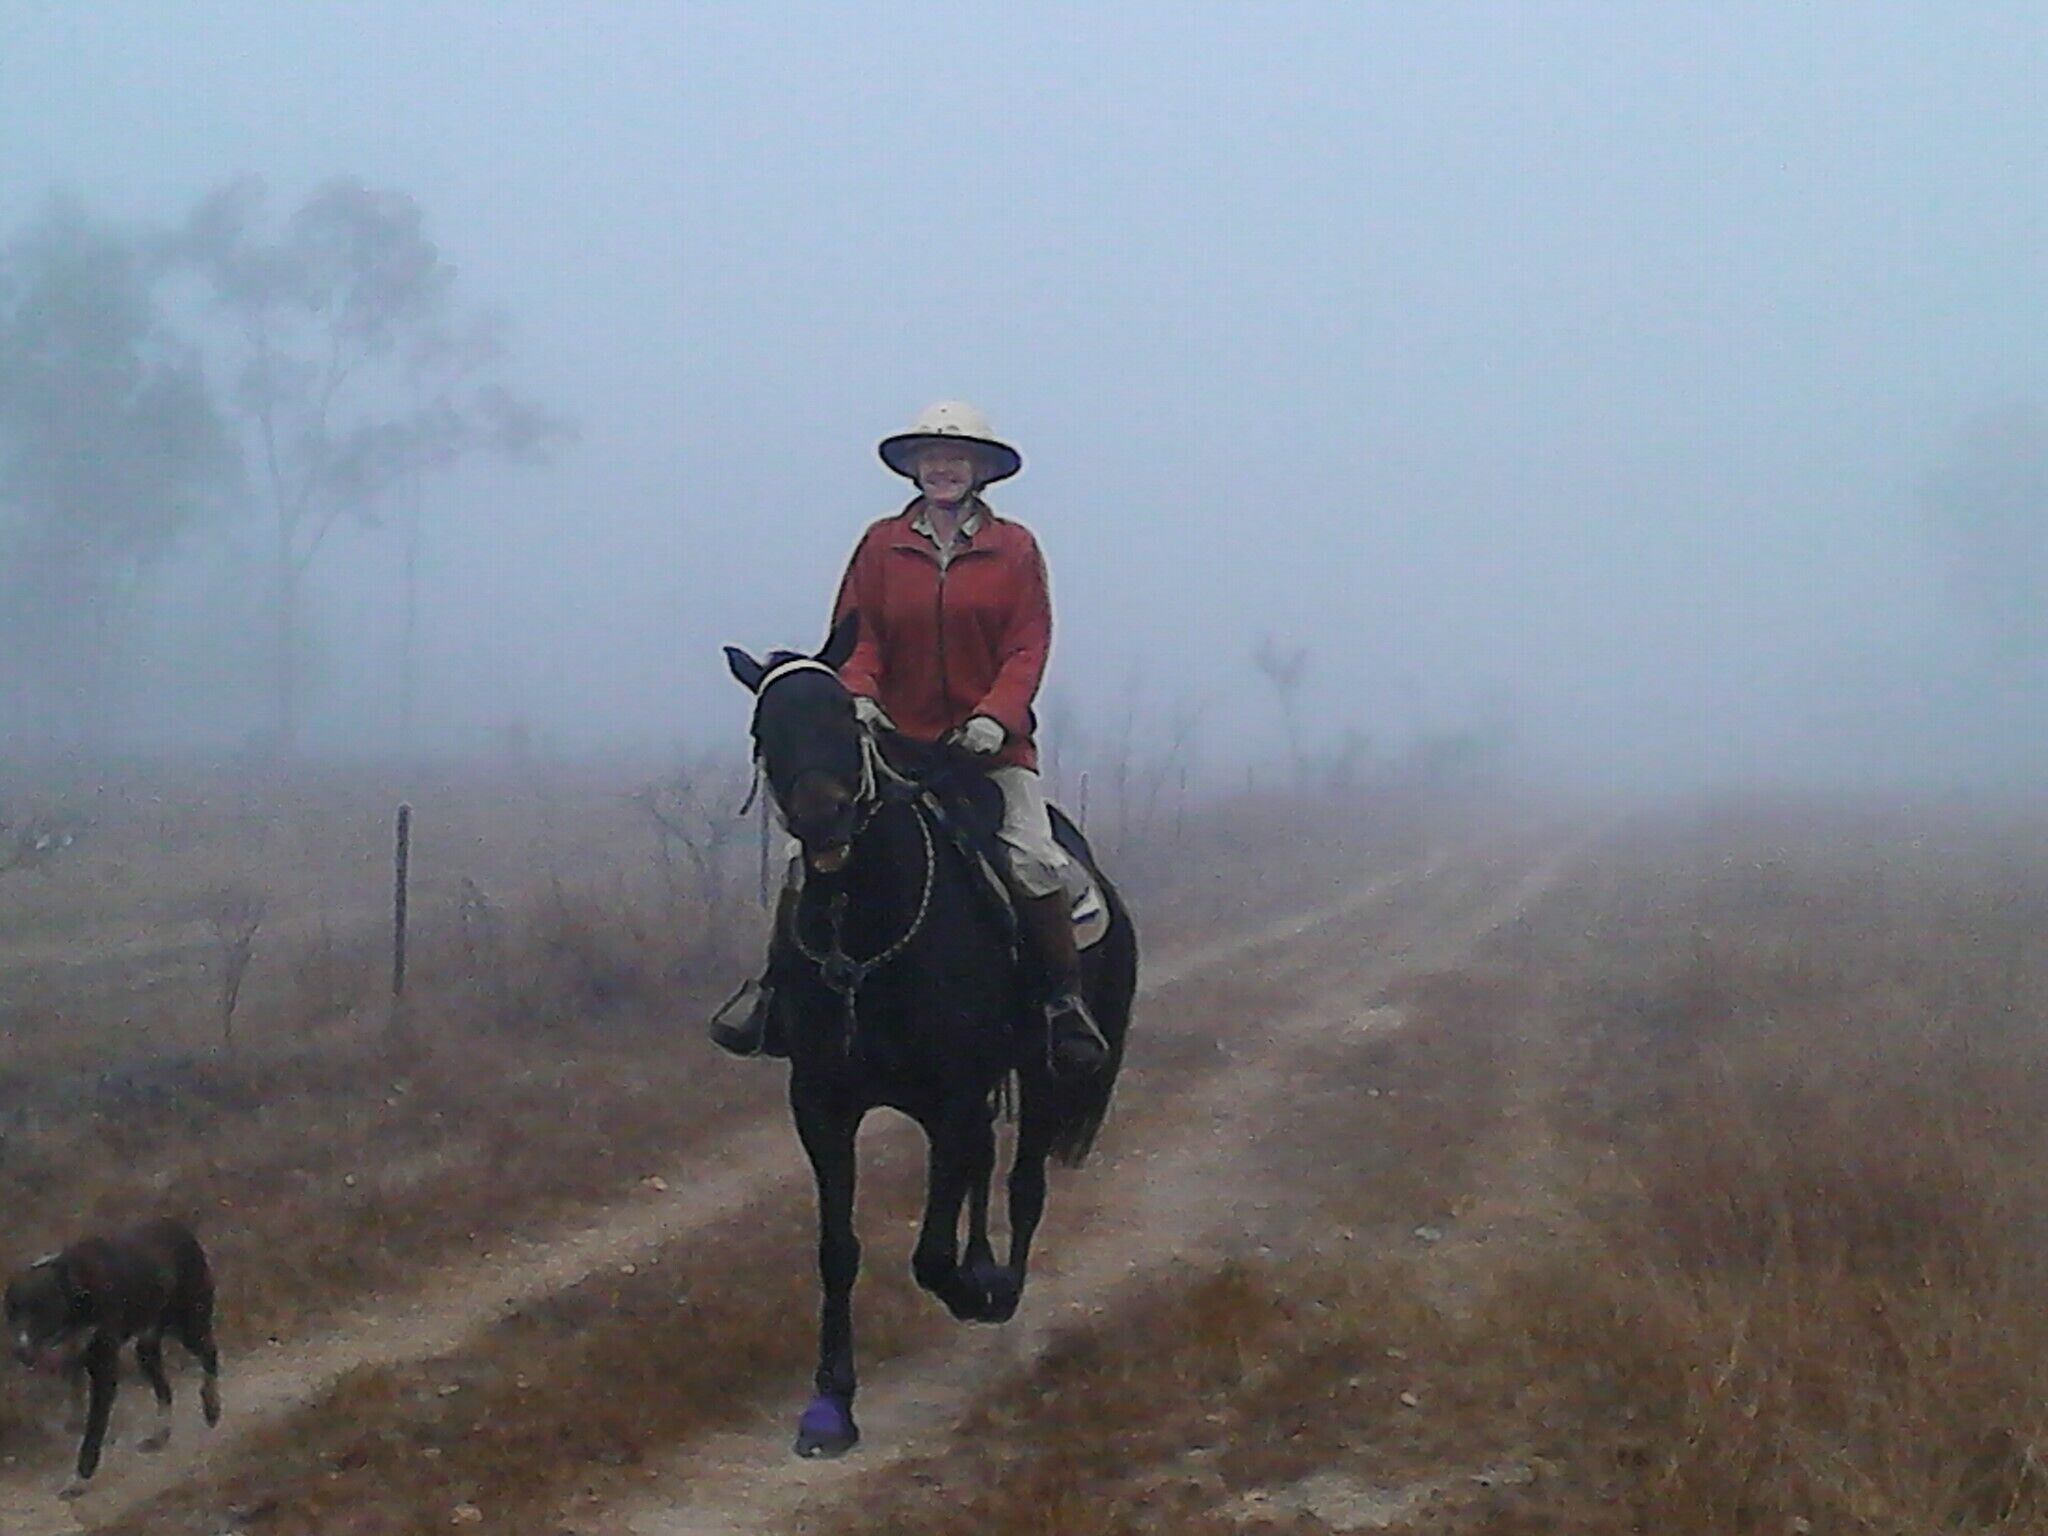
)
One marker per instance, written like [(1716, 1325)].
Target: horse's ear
[(745, 668), (839, 644)]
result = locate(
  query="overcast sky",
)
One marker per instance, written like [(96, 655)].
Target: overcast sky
[(1584, 356)]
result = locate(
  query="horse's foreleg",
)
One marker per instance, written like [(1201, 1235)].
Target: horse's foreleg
[(980, 1175), (958, 1146), (827, 1426)]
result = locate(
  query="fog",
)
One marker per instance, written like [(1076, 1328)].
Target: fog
[(1570, 375)]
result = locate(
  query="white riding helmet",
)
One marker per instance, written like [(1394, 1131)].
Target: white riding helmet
[(955, 421)]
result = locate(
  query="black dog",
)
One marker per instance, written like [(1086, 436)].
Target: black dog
[(71, 1312)]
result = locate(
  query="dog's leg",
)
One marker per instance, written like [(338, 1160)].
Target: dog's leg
[(102, 1371), (149, 1354), (196, 1335), (74, 1398)]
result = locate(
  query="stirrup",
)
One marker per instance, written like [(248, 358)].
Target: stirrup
[(1074, 1043), (753, 1034)]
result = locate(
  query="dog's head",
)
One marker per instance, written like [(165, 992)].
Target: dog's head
[(48, 1309)]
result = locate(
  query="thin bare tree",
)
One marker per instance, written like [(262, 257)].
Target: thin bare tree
[(234, 914), (1285, 667)]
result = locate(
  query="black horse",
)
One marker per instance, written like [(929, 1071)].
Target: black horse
[(902, 987)]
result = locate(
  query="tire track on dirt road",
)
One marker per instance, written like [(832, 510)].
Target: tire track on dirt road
[(1180, 1207), (440, 1319)]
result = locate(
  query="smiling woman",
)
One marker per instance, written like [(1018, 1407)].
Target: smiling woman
[(953, 620)]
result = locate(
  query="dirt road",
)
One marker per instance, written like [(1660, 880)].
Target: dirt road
[(1191, 1198), (1171, 1181)]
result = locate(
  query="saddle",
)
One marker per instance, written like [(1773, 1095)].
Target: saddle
[(967, 808)]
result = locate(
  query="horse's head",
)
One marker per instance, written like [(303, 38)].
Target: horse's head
[(810, 746)]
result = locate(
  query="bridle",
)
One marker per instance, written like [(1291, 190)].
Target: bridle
[(880, 783)]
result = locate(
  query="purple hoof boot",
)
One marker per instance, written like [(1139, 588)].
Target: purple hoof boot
[(826, 1427)]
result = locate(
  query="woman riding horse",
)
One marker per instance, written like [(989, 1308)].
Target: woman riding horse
[(955, 626)]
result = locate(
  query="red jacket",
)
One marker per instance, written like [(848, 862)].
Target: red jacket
[(939, 644)]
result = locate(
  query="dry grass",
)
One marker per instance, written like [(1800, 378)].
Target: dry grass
[(577, 1390), (570, 1402), (1782, 1086), (1816, 1119), (552, 1058), (552, 1049)]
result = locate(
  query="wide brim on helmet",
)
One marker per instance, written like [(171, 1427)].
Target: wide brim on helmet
[(900, 453)]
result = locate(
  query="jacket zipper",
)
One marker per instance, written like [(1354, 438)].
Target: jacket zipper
[(939, 635), (939, 623), (942, 565)]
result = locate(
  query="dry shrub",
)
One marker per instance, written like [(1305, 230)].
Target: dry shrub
[(585, 955), (578, 958)]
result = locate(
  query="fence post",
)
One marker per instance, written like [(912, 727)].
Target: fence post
[(401, 876)]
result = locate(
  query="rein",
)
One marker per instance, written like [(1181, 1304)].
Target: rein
[(840, 971)]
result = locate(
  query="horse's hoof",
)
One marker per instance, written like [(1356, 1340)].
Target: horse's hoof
[(826, 1428), (999, 1287)]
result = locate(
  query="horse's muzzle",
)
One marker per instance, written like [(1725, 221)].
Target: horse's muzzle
[(822, 817), (829, 859)]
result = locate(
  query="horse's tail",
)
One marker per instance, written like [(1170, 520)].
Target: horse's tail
[(1075, 1138), (1112, 985)]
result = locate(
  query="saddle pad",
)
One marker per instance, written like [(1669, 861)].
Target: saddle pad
[(1091, 911), (1091, 914)]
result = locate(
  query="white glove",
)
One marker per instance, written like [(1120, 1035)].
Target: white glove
[(983, 737), (871, 714)]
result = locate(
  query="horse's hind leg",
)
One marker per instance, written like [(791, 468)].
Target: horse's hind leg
[(1027, 1190), (995, 1285), (827, 1427), (962, 1150)]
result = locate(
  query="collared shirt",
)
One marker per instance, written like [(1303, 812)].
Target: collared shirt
[(963, 532)]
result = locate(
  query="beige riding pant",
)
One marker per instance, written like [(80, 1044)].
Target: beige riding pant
[(1038, 863)]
